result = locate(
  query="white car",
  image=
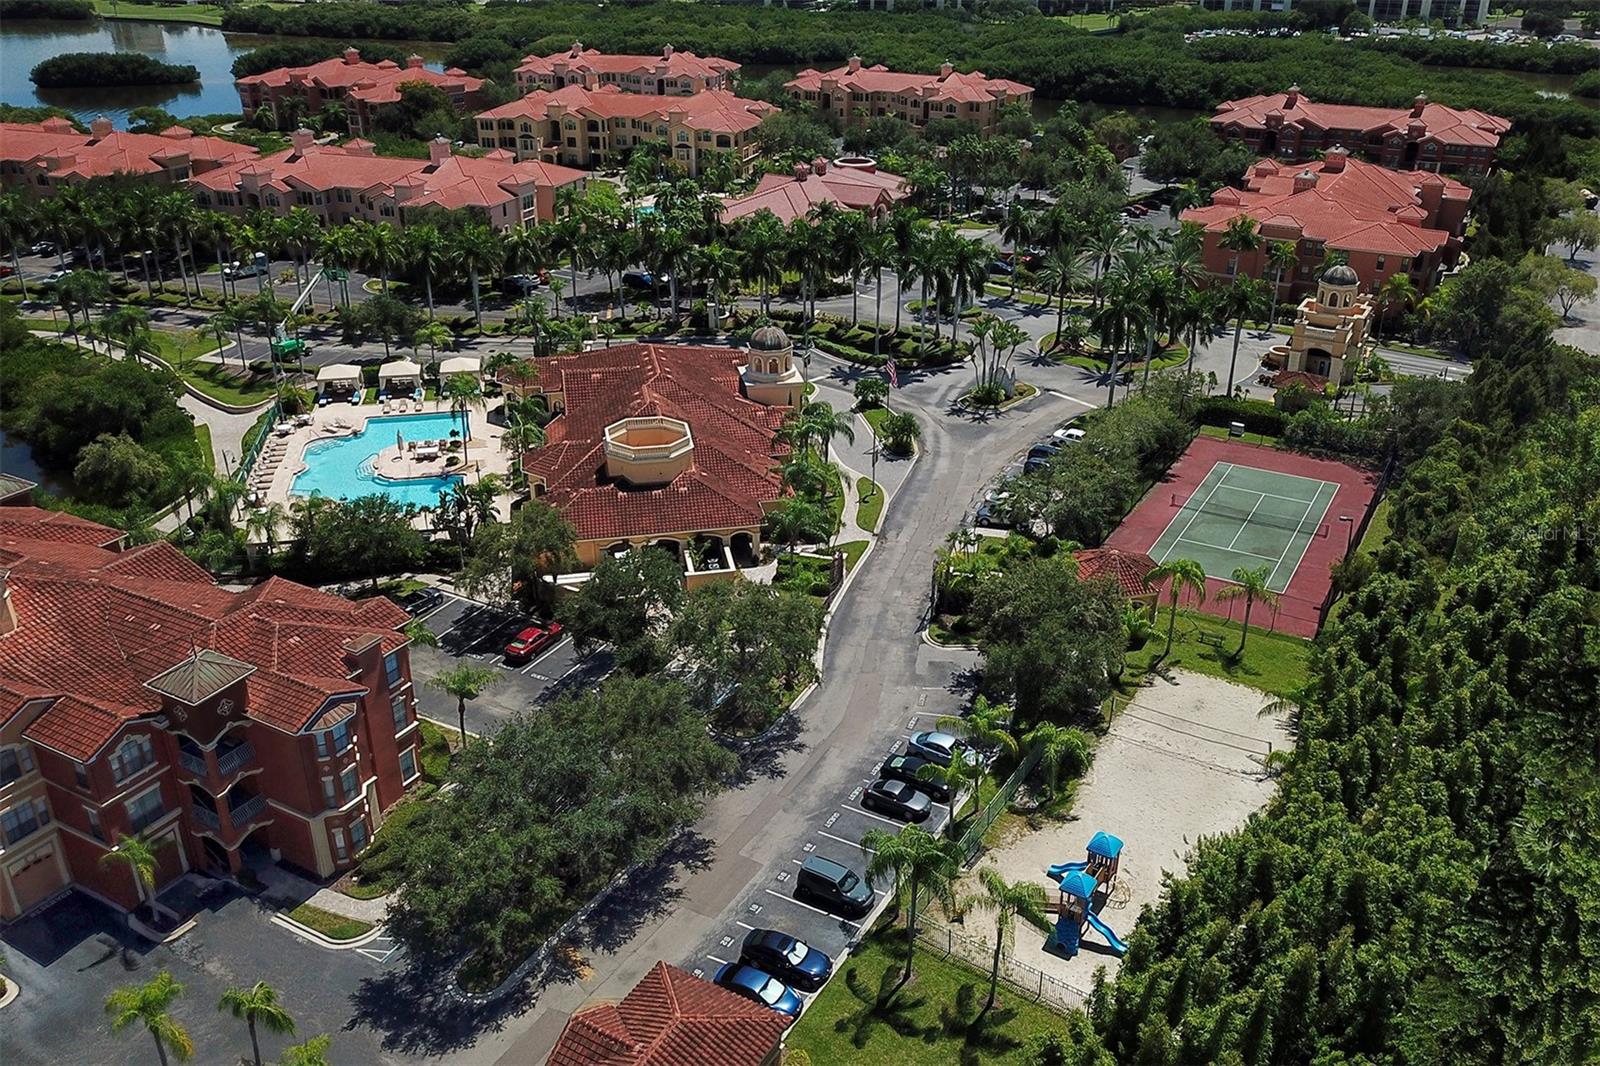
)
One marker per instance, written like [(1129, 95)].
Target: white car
[(55, 276), (1069, 435)]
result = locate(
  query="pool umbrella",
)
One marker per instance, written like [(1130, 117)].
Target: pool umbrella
[(399, 441)]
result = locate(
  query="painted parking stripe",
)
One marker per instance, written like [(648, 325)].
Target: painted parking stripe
[(852, 843), (741, 924), (879, 817), (809, 907), (713, 958)]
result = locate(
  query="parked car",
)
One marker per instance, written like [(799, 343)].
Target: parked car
[(421, 601), (6, 270), (55, 276), (1067, 435), (940, 748), (908, 768), (643, 279), (1003, 267), (897, 799), (1039, 457), (42, 248), (833, 885), (796, 963), (758, 987), (993, 512), (531, 641), (519, 284), (245, 270)]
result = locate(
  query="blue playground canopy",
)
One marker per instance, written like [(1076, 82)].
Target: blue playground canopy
[(1077, 883), (1105, 845)]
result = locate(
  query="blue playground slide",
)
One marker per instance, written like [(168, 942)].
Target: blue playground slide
[(1055, 872), (1067, 936), (1105, 930)]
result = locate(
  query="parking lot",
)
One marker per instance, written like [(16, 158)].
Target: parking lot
[(836, 834), (476, 633)]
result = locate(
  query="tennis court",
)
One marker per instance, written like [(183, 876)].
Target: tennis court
[(1242, 516)]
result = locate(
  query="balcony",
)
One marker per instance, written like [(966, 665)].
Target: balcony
[(195, 764), (207, 818), (231, 761), (248, 810)]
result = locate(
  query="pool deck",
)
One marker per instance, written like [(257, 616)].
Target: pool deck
[(283, 456)]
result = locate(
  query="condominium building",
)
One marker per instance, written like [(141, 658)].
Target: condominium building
[(672, 73), (601, 127), (1425, 136), (362, 89), (339, 183), (1386, 222), (44, 156), (226, 729), (857, 94), (1452, 12), (850, 184)]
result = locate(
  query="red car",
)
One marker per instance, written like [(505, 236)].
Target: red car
[(532, 641)]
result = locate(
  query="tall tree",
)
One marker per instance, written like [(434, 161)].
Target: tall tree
[(257, 1005), (1007, 901), (1182, 575), (1251, 586), (463, 683), (150, 1005), (921, 866)]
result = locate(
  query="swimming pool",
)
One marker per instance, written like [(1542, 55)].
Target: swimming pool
[(341, 468)]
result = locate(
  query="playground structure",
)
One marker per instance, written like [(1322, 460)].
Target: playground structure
[(1084, 887)]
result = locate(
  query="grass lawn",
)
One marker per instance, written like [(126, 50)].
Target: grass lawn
[(333, 926), (376, 875), (1378, 530), (220, 384), (860, 1017), (871, 508), (202, 436), (1024, 296), (203, 14), (875, 417), (853, 550), (437, 743), (1272, 662), (1221, 433)]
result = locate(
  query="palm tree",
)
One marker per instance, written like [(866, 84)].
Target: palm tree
[(1243, 299), (464, 393), (381, 245), (762, 241), (987, 725), (478, 250), (1252, 585), (255, 1005), (1016, 229), (1281, 258), (341, 248), (435, 335), (1396, 292), (919, 863), (1184, 574), (465, 682), (962, 774), (1007, 901), (139, 856), (301, 231), (901, 431), (265, 523), (426, 251), (16, 222), (148, 1005), (1064, 272), (1059, 746), (719, 266), (177, 215), (822, 423), (1241, 237), (313, 1052), (877, 254), (129, 327)]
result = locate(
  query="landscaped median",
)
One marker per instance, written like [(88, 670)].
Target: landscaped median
[(332, 927)]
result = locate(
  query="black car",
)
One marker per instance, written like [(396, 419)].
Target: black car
[(1039, 457), (908, 768), (794, 962), (421, 601), (833, 885), (519, 284), (898, 800)]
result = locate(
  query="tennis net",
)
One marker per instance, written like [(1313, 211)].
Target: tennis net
[(1206, 505)]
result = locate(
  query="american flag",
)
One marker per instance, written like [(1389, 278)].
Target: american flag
[(894, 374)]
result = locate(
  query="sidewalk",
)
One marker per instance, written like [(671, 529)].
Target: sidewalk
[(282, 884)]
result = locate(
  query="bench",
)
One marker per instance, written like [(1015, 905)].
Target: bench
[(1209, 638)]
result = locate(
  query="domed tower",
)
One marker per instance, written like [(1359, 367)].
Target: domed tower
[(769, 374), (1330, 331), (1336, 289)]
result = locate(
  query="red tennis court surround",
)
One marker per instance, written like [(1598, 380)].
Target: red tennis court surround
[(1301, 601)]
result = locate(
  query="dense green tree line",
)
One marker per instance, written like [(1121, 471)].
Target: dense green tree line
[(1454, 52), (1422, 888), (304, 53), (65, 10), (1150, 64), (81, 69)]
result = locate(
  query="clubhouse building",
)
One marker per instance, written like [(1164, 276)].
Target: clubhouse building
[(227, 729), (851, 184), (1425, 136)]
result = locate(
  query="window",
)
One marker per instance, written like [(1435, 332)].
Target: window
[(93, 817), (329, 796), (349, 783), (1381, 261), (358, 836), (339, 849), (391, 668), (408, 765), (333, 741), (134, 755), (144, 809), (81, 773), (24, 819), (14, 763), (400, 715)]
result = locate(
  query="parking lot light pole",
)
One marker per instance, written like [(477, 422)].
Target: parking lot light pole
[(1349, 532)]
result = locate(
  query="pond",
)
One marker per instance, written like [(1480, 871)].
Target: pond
[(26, 43), (16, 459)]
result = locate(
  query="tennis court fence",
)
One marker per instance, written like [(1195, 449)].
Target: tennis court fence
[(1028, 980), (1390, 467)]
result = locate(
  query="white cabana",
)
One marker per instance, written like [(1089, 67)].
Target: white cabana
[(338, 377), (400, 375), (461, 364)]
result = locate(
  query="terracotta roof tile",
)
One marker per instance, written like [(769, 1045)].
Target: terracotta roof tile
[(1129, 570), (671, 1018), (672, 63), (35, 523), (1447, 125), (713, 110), (975, 87), (793, 196)]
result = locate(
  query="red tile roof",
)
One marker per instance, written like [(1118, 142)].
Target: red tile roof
[(671, 1018), (953, 85), (60, 152), (1346, 203), (1305, 378), (1447, 125), (793, 196), (94, 626), (1129, 570), (372, 83), (731, 475), (671, 63), (713, 110)]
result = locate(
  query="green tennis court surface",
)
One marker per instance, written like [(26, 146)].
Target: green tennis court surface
[(1241, 516)]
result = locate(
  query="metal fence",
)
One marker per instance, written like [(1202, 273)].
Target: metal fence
[(972, 839), (1018, 976), (241, 473)]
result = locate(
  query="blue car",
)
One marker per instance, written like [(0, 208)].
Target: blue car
[(758, 987), (793, 961)]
